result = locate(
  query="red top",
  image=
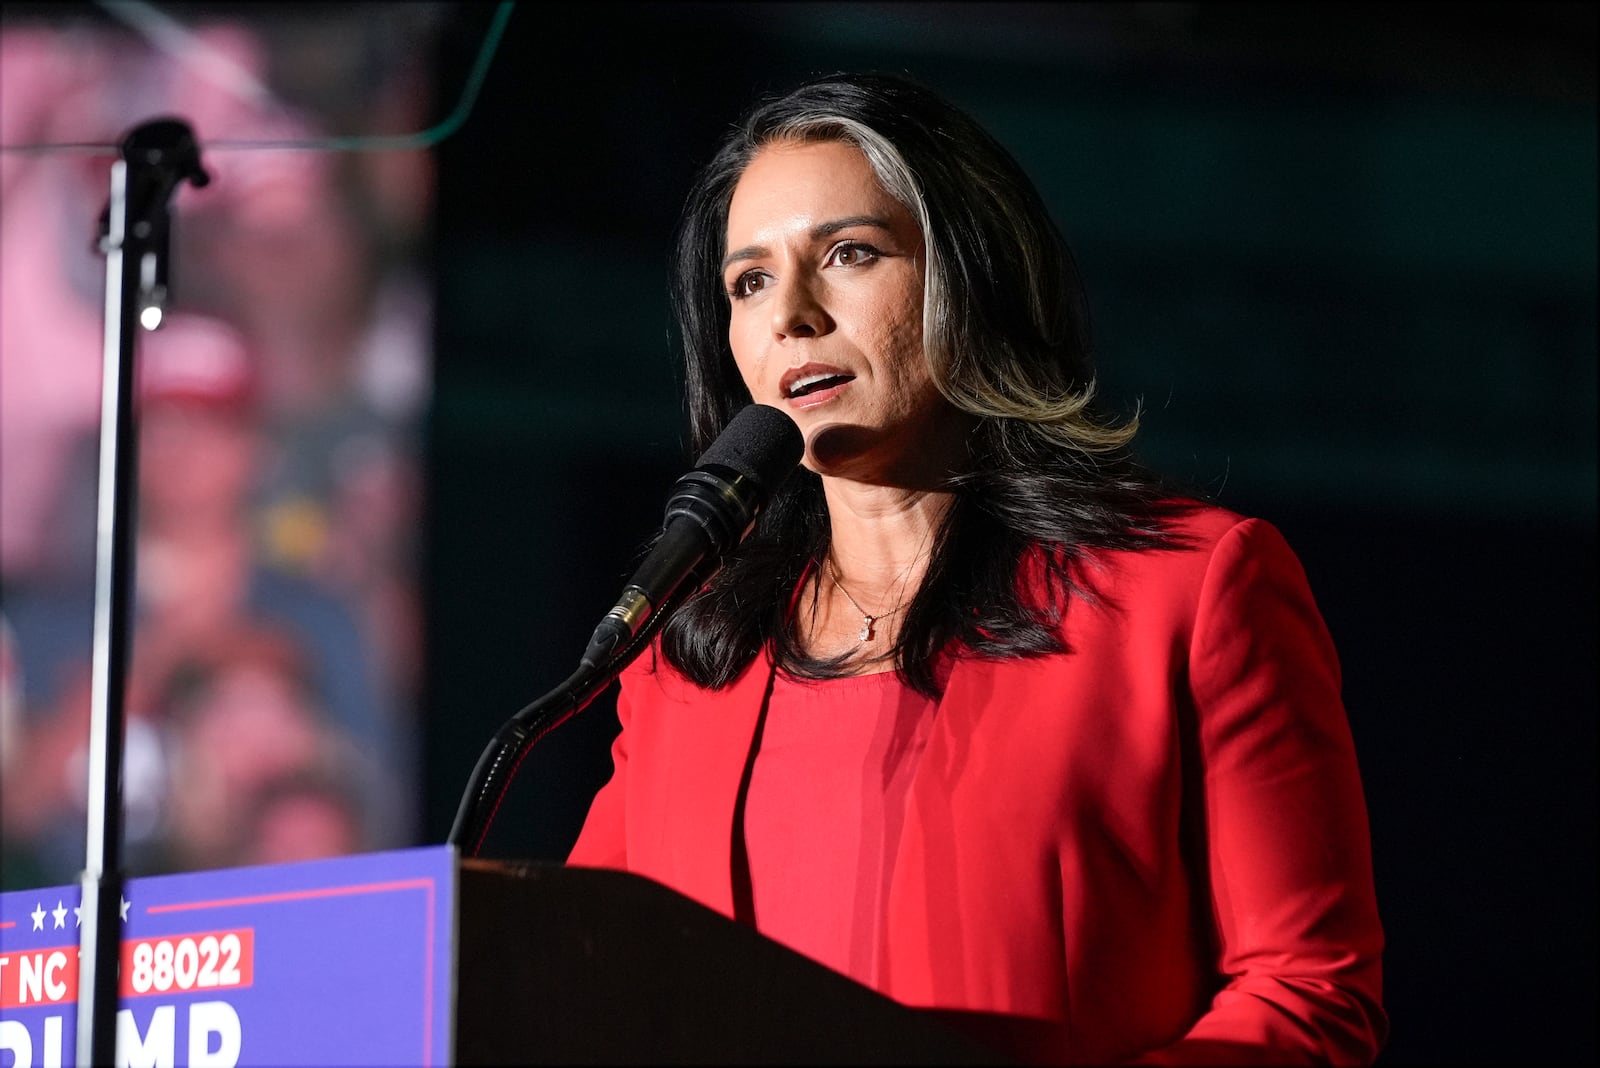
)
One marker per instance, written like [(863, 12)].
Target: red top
[(826, 803)]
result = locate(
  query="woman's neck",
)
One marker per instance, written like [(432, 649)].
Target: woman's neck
[(881, 536), (880, 543)]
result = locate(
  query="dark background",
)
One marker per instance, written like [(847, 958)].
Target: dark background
[(1345, 256)]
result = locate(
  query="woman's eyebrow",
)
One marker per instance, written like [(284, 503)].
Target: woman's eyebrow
[(819, 231)]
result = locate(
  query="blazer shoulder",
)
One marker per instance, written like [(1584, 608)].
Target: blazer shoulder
[(652, 677), (1193, 533), (1204, 541), (1199, 526)]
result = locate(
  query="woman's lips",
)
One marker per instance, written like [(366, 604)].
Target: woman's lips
[(813, 384), (820, 396)]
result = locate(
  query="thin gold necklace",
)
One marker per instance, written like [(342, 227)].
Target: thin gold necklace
[(867, 619)]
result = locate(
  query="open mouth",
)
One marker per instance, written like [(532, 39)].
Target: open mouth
[(815, 383)]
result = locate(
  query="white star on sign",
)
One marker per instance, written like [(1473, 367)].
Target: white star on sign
[(77, 915), (125, 904), (38, 917), (60, 914)]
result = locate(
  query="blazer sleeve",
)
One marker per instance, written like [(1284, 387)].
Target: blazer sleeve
[(1284, 820)]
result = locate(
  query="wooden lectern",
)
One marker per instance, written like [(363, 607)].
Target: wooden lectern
[(612, 968)]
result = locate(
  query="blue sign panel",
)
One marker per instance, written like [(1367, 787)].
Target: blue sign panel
[(332, 962)]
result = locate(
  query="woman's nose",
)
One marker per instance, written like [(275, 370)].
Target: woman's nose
[(798, 312)]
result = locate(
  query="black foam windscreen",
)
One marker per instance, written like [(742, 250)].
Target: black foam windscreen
[(761, 443)]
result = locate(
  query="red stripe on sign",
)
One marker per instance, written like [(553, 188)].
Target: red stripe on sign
[(296, 895)]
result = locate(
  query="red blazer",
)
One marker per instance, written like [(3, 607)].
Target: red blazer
[(1156, 841)]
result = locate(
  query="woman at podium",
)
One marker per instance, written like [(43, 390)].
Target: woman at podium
[(981, 713)]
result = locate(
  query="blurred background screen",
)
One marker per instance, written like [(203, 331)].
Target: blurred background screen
[(273, 696), (416, 409)]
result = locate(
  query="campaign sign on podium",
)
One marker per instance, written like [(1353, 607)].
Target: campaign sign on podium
[(283, 965)]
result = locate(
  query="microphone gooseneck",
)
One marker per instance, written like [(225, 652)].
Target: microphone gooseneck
[(710, 511)]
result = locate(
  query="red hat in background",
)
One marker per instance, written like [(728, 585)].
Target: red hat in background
[(197, 360)]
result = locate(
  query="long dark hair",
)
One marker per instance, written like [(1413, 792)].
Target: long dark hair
[(1007, 341)]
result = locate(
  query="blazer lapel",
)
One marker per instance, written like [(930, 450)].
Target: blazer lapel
[(714, 749)]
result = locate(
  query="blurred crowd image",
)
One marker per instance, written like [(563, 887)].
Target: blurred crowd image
[(273, 675)]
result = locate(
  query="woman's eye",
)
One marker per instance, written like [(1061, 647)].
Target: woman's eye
[(745, 284), (852, 254)]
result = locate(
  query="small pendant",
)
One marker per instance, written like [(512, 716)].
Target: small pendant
[(866, 629)]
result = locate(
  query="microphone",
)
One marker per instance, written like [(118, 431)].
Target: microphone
[(710, 511)]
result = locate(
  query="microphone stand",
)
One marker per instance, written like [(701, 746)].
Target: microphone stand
[(498, 764), (134, 235)]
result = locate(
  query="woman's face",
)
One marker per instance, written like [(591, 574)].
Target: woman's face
[(824, 273)]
